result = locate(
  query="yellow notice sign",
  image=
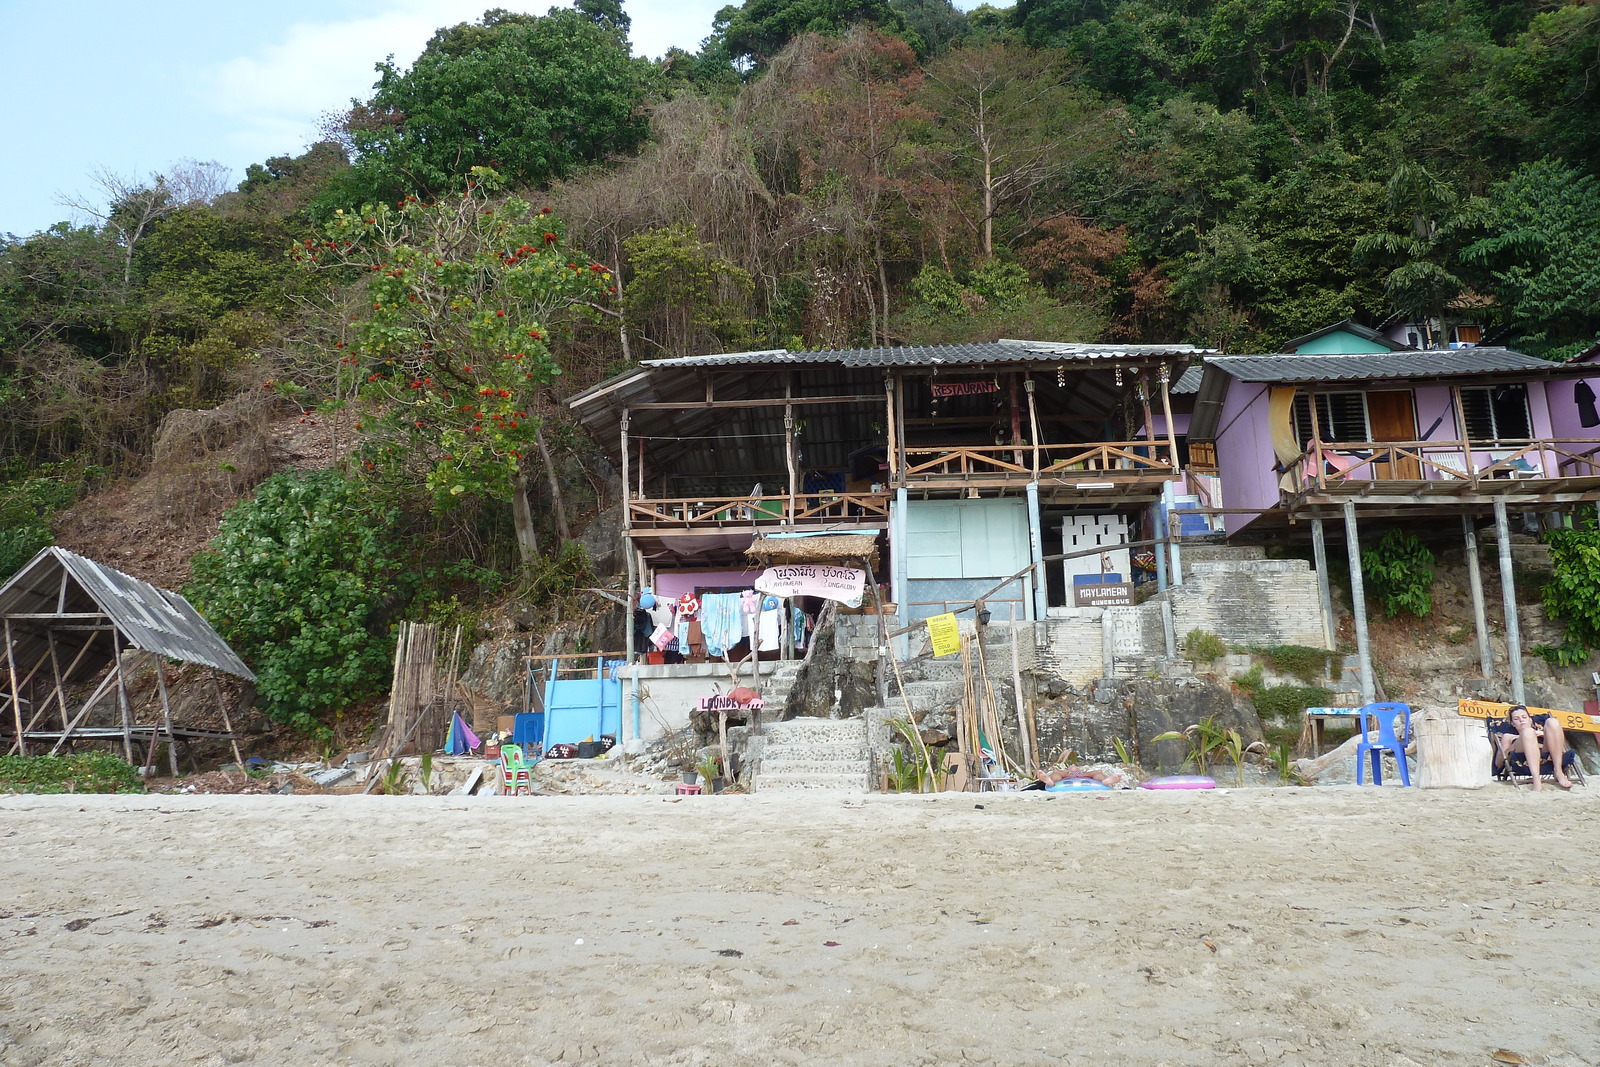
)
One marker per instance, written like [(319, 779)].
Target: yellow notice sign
[(1569, 720), (945, 634)]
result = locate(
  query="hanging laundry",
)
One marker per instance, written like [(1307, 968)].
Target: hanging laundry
[(769, 627), (722, 621), (797, 628)]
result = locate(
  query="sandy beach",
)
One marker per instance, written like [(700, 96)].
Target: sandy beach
[(1276, 926)]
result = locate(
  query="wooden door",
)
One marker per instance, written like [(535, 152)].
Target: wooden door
[(1390, 417)]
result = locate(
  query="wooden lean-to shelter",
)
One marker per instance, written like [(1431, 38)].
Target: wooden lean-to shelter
[(68, 622)]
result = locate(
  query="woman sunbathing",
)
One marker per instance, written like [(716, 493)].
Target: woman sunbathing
[(1531, 734)]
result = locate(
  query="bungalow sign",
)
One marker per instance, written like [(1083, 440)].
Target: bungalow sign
[(844, 584)]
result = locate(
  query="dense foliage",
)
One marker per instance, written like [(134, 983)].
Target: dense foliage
[(1398, 572), (85, 772), (1571, 593), (302, 580)]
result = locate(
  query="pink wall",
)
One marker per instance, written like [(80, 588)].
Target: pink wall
[(1562, 410), (676, 583)]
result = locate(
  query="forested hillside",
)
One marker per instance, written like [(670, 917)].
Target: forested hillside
[(822, 173)]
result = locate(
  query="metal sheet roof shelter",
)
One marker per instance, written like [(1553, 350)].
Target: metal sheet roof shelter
[(68, 619)]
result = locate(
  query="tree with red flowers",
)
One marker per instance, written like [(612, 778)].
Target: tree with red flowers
[(451, 358)]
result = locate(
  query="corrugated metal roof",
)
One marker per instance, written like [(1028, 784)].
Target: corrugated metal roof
[(1371, 366), (1188, 382), (1002, 351), (152, 619)]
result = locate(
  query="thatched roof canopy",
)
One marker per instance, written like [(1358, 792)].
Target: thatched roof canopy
[(820, 548)]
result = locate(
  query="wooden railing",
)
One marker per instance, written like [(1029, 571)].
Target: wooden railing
[(1097, 460), (1335, 463), (734, 512)]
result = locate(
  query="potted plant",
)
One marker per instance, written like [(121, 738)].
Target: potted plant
[(691, 771), (710, 769)]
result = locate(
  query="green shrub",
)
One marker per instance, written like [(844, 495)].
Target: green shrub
[(1285, 702), (302, 580), (1202, 646), (1301, 661), (87, 772), (1573, 593), (561, 575), (1399, 573), (1250, 680), (28, 500)]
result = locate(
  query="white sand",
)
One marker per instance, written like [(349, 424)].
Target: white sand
[(1332, 927)]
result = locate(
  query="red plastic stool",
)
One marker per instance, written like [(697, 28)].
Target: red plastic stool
[(688, 790)]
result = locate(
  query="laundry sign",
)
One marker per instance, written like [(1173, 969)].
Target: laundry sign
[(844, 584)]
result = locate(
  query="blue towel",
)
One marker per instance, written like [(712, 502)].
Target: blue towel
[(721, 622)]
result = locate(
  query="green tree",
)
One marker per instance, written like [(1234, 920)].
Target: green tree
[(452, 358), (682, 295), (301, 580), (534, 98), (1538, 252), (751, 35)]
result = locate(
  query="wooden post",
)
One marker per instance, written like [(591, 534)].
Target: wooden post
[(890, 455), (1144, 408), (880, 672), (67, 728), (20, 746), (1471, 472), (1480, 618), (1016, 418), (227, 721), (1319, 467), (1033, 423), (1508, 595), (166, 714), (900, 423), (55, 669), (1166, 411), (122, 696), (1358, 603), (1319, 553), (789, 457)]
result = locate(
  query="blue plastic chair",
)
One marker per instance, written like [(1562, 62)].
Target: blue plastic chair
[(1386, 741)]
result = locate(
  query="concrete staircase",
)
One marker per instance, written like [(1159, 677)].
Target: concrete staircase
[(833, 755)]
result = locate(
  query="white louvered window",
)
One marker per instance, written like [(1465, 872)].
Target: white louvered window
[(1341, 417)]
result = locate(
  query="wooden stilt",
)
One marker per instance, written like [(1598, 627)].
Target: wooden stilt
[(1480, 617), (19, 746), (1166, 411), (122, 696), (1508, 596), (1358, 603), (1319, 553), (166, 714)]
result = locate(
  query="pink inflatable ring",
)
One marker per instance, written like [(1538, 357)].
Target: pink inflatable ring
[(1180, 781)]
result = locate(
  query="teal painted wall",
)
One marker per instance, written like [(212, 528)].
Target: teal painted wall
[(1338, 343)]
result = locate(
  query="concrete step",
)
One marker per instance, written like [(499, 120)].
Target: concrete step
[(812, 751), (813, 783), (815, 731), (794, 768)]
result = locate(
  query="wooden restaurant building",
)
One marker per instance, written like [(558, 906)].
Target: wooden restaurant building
[(968, 463)]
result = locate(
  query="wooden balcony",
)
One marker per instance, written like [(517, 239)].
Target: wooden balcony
[(731, 514), (1001, 466), (1428, 472)]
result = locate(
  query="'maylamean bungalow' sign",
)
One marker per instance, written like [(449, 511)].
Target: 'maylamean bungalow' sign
[(844, 584)]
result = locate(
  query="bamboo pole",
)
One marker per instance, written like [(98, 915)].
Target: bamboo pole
[(1480, 617), (55, 669), (891, 453), (122, 696), (1033, 422), (1028, 766), (227, 722), (20, 746), (166, 715), (1166, 411)]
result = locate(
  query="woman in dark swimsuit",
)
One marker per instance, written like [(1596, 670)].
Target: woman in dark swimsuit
[(1530, 733)]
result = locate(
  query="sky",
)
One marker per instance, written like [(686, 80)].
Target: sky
[(133, 88)]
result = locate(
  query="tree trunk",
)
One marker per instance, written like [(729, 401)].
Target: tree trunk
[(522, 517), (562, 530)]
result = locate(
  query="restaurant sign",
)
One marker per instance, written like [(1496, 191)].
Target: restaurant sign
[(967, 388), (844, 584)]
